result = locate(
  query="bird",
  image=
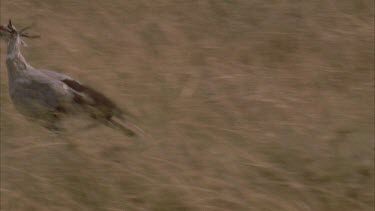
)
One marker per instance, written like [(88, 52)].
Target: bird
[(47, 97)]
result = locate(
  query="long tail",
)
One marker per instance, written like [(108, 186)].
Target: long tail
[(125, 126)]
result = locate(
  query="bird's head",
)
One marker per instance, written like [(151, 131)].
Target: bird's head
[(9, 32)]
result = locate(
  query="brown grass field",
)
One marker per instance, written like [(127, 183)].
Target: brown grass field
[(246, 104)]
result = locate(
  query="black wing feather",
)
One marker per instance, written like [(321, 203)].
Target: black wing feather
[(99, 100)]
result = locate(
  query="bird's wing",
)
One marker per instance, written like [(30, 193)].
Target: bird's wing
[(87, 96), (55, 75), (93, 102)]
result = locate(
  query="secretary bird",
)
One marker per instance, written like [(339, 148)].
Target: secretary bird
[(47, 96)]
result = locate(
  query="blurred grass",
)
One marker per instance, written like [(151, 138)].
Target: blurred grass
[(248, 105)]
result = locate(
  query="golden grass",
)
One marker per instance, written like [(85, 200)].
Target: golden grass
[(247, 105)]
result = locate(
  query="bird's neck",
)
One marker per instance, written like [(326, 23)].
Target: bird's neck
[(16, 63)]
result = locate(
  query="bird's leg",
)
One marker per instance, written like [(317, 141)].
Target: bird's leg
[(52, 123), (54, 127), (87, 127)]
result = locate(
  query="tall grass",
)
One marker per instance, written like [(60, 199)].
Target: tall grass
[(247, 105)]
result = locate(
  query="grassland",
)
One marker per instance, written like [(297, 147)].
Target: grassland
[(247, 105)]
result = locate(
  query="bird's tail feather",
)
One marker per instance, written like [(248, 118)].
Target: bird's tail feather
[(127, 127)]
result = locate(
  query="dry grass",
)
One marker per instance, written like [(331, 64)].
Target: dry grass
[(248, 105)]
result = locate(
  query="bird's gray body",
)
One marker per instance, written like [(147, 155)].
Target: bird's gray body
[(35, 93), (46, 96), (39, 96)]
